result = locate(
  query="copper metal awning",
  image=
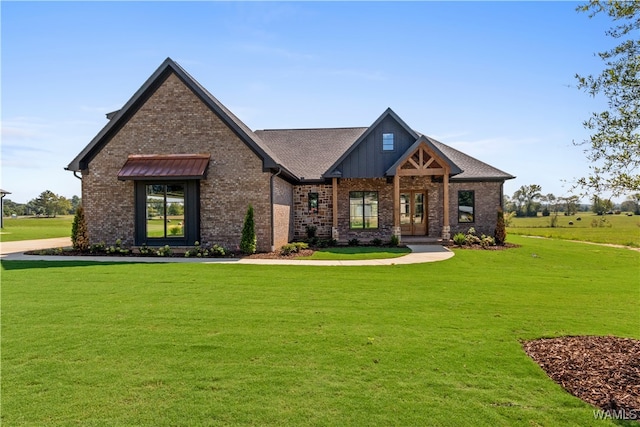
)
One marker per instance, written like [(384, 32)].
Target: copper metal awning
[(164, 166)]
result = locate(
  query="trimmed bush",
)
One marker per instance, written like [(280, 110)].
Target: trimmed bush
[(79, 232), (459, 239), (394, 241), (354, 242), (248, 243)]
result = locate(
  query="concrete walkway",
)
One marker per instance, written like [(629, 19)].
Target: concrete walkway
[(12, 251)]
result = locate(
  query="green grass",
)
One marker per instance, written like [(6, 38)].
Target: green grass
[(357, 253), (618, 229), (199, 344), (30, 228)]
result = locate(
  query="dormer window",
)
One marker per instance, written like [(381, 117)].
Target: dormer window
[(388, 143)]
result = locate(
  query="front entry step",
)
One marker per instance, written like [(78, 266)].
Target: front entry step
[(420, 240)]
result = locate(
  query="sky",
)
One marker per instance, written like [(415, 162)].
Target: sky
[(495, 80)]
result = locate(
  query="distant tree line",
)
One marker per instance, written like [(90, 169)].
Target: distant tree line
[(46, 204), (529, 200)]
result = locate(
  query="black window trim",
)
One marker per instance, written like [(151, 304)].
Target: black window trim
[(191, 212)]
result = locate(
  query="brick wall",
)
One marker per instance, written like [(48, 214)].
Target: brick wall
[(172, 121), (487, 201)]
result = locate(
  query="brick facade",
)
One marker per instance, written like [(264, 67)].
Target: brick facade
[(173, 115), (173, 121), (488, 199)]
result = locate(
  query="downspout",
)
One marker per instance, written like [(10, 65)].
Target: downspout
[(79, 177), (273, 212)]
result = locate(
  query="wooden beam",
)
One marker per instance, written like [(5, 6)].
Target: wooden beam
[(413, 163), (334, 187), (445, 198), (426, 165), (420, 172)]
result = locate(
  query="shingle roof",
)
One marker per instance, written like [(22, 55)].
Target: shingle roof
[(472, 168), (308, 153), (302, 154)]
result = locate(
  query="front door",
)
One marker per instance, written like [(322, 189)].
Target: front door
[(413, 221)]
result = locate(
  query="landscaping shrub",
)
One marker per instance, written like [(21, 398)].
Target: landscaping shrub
[(486, 241), (146, 250), (354, 242), (311, 231), (248, 243), (117, 248), (376, 242), (98, 248), (471, 237), (205, 250), (79, 232), (395, 240), (459, 239), (164, 251), (292, 248)]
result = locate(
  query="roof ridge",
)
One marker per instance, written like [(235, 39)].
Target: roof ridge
[(296, 129)]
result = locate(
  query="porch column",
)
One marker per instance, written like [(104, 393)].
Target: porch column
[(396, 206), (334, 229), (446, 228)]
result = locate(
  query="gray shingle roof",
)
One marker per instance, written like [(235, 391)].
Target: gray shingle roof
[(308, 153), (303, 154), (472, 168)]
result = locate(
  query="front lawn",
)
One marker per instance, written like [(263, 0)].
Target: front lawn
[(614, 229), (97, 344), (31, 228), (357, 253)]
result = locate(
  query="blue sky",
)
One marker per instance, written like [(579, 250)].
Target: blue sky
[(493, 79)]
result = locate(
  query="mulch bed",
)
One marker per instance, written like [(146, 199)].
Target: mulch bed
[(602, 371), (488, 248)]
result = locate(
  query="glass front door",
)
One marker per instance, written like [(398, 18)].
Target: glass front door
[(413, 221)]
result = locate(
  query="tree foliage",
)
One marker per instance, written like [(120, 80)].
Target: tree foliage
[(248, 242), (614, 145), (79, 232), (50, 204), (525, 199)]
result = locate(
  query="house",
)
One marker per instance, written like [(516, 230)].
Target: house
[(175, 166)]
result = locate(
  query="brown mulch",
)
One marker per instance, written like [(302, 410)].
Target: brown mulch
[(602, 371), (503, 247), (278, 255)]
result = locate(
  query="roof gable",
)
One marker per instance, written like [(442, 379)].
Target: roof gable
[(434, 152), (120, 117), (365, 157)]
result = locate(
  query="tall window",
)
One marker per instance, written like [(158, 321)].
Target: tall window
[(466, 206), (313, 203), (388, 142), (363, 209), (165, 210)]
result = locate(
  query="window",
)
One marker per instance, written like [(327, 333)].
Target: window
[(313, 203), (388, 142), (466, 203), (363, 209), (165, 210)]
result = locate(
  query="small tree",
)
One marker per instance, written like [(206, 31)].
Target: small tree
[(501, 231), (79, 232), (249, 240)]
